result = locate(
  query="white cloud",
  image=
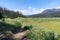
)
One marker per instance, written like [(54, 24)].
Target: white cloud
[(31, 11), (57, 7), (54, 7)]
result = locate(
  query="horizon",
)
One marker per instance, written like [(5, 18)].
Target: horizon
[(29, 7)]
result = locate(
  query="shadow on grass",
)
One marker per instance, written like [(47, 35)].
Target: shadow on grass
[(6, 30), (13, 28)]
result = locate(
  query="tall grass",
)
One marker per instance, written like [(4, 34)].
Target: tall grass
[(38, 33)]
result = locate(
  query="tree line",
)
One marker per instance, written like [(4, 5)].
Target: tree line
[(4, 12)]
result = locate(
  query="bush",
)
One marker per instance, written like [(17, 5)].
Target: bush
[(28, 27), (35, 33)]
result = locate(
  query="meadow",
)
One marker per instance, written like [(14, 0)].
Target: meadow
[(52, 24), (47, 24)]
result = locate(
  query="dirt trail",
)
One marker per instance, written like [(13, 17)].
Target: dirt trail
[(20, 35)]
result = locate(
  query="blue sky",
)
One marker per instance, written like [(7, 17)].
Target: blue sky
[(28, 7)]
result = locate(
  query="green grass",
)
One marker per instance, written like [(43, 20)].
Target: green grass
[(48, 27), (52, 24), (39, 33)]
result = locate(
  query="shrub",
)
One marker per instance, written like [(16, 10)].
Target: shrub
[(35, 33), (28, 27)]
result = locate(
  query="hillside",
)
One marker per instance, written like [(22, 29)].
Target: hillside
[(47, 13)]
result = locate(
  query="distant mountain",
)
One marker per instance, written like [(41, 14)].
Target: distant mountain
[(47, 13)]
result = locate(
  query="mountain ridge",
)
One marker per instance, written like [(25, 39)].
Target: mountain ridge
[(47, 13)]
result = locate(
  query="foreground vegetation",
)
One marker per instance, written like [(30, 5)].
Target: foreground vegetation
[(41, 28)]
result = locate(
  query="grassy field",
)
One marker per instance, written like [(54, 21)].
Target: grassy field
[(40, 28), (52, 24)]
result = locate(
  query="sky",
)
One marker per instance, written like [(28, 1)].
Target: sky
[(29, 7)]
